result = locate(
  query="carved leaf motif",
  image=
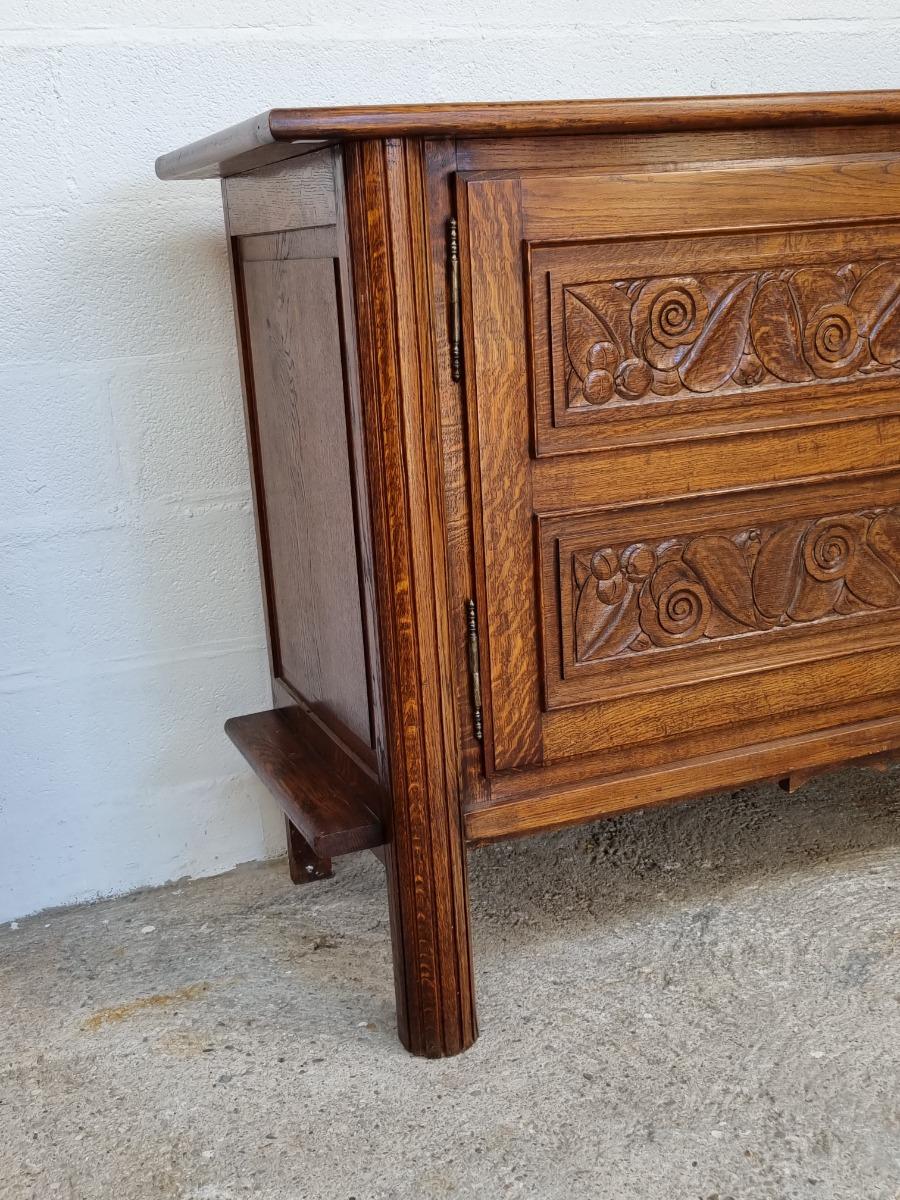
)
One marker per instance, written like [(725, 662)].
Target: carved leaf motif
[(776, 332), (870, 580), (581, 569), (583, 329), (602, 627), (775, 572), (714, 356), (814, 598), (720, 625), (705, 332), (885, 339), (847, 604), (875, 293), (602, 312), (573, 388), (721, 567), (884, 538)]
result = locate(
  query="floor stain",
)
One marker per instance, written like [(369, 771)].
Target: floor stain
[(184, 1044), (108, 1016)]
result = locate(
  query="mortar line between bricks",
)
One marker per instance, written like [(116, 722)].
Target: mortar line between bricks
[(314, 37), (26, 678)]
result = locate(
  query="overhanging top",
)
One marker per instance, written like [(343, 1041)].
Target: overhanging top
[(249, 144)]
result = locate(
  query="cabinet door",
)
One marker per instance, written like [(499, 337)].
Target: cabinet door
[(684, 399)]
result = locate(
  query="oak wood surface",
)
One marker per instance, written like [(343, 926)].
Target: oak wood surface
[(584, 295), (293, 317), (750, 570), (462, 572), (276, 198), (758, 346), (669, 475), (587, 798), (615, 151), (332, 801), (217, 153), (500, 440), (682, 201), (425, 855)]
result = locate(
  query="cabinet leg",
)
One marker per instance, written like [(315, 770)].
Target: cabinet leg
[(401, 411), (430, 939), (304, 864)]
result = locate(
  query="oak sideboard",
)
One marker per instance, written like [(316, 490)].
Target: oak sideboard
[(574, 430)]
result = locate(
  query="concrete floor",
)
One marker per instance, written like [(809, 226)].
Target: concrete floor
[(697, 1003)]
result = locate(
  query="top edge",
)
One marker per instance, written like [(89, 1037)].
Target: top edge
[(238, 147)]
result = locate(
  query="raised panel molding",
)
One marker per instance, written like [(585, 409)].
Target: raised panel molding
[(639, 598), (637, 340)]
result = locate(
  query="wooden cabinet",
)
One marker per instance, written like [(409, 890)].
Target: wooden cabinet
[(575, 435)]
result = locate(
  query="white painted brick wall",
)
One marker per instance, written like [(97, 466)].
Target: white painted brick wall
[(130, 622)]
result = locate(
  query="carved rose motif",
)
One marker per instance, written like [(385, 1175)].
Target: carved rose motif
[(645, 597), (668, 315), (831, 341), (829, 546), (674, 614)]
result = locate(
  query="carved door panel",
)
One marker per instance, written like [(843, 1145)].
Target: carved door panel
[(684, 396)]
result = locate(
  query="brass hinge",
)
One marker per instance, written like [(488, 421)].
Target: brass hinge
[(474, 667), (455, 304)]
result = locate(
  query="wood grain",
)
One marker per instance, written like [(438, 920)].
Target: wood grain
[(666, 202), (747, 366), (252, 142), (703, 588), (424, 857), (304, 865), (669, 477), (650, 386), (793, 508), (589, 153), (296, 195), (587, 116), (440, 160), (498, 387), (588, 798), (299, 389), (332, 800)]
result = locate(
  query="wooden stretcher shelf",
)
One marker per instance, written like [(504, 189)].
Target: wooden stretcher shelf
[(334, 808)]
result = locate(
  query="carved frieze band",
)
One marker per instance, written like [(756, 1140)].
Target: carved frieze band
[(640, 339), (647, 596)]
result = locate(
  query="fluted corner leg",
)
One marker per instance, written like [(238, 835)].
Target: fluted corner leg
[(430, 941), (425, 852)]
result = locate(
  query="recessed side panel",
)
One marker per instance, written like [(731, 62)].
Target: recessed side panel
[(299, 393)]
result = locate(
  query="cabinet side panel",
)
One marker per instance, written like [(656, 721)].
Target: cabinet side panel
[(295, 347), (290, 290)]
